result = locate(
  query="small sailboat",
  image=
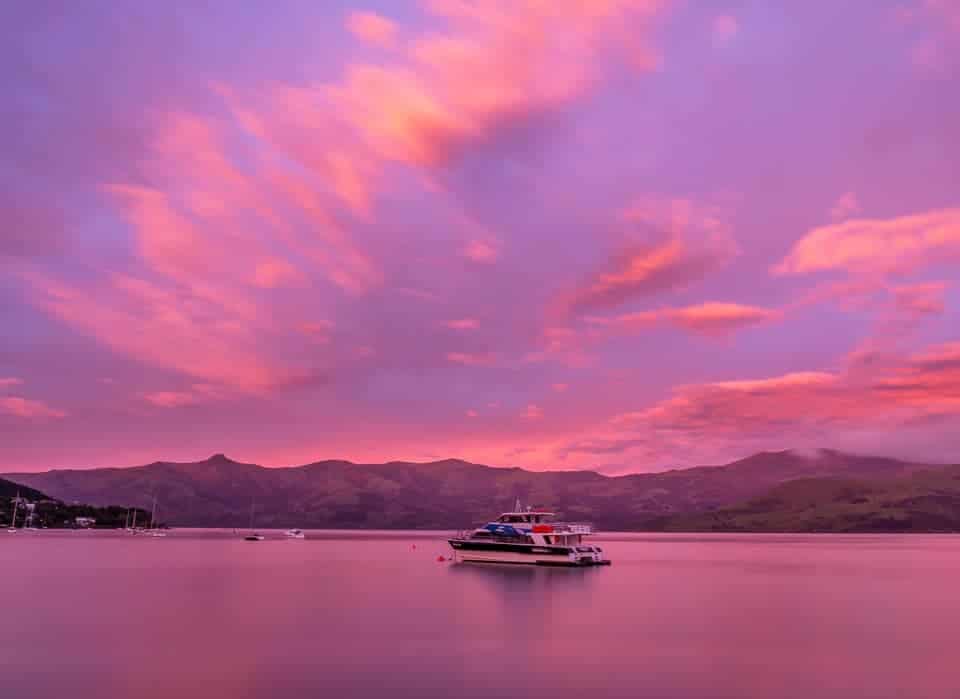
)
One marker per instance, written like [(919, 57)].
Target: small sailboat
[(153, 530), (252, 536), (294, 534), (13, 521)]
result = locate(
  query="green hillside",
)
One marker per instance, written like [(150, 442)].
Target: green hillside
[(925, 501)]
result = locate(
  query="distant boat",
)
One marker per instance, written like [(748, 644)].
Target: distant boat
[(152, 530), (294, 534), (252, 536), (13, 522)]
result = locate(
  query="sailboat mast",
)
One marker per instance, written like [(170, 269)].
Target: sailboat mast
[(153, 512), (13, 523), (134, 525)]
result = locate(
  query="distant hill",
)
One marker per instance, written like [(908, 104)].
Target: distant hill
[(924, 501), (9, 489), (50, 512), (441, 495)]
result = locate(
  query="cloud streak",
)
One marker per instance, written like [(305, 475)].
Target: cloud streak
[(877, 246)]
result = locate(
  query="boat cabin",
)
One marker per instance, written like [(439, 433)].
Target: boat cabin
[(525, 517)]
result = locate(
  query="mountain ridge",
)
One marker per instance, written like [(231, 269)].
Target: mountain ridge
[(443, 494)]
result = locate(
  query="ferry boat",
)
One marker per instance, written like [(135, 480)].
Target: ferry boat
[(528, 536)]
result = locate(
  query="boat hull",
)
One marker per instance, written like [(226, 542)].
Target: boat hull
[(467, 551)]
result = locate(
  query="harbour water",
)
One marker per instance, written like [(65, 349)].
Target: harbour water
[(375, 614)]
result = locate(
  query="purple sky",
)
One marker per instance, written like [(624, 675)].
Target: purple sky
[(621, 234)]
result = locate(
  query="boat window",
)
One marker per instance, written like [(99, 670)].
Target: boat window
[(481, 534)]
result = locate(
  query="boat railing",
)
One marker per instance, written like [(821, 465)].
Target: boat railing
[(578, 528), (572, 527)]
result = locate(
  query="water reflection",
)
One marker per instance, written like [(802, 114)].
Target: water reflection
[(368, 616)]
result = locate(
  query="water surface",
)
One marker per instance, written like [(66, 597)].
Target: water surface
[(374, 614)]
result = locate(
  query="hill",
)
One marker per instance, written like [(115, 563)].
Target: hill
[(923, 501), (9, 489), (443, 494), (49, 512)]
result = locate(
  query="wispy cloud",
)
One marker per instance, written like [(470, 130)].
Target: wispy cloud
[(372, 28), (709, 318), (28, 409), (463, 324), (677, 244), (877, 246)]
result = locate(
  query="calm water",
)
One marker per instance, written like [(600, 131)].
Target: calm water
[(202, 614)]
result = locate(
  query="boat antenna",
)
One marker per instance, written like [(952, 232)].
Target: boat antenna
[(517, 507)]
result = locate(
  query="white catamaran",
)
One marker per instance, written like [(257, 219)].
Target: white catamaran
[(528, 536)]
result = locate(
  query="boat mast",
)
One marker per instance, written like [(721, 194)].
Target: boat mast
[(13, 522), (153, 512)]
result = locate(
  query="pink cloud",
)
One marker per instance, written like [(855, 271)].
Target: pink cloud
[(481, 251), (29, 409), (317, 330), (198, 335), (844, 207), (713, 317), (920, 299), (372, 28), (687, 244), (273, 273), (928, 384), (170, 399), (8, 381), (463, 324), (799, 408), (198, 393), (725, 29), (472, 413), (491, 67), (710, 318), (877, 246), (533, 412), (469, 359), (559, 387)]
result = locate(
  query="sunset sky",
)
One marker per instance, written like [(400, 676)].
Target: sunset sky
[(625, 235)]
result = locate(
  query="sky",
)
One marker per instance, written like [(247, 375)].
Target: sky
[(623, 235)]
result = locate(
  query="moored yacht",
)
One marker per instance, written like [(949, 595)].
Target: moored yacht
[(294, 534), (528, 536)]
